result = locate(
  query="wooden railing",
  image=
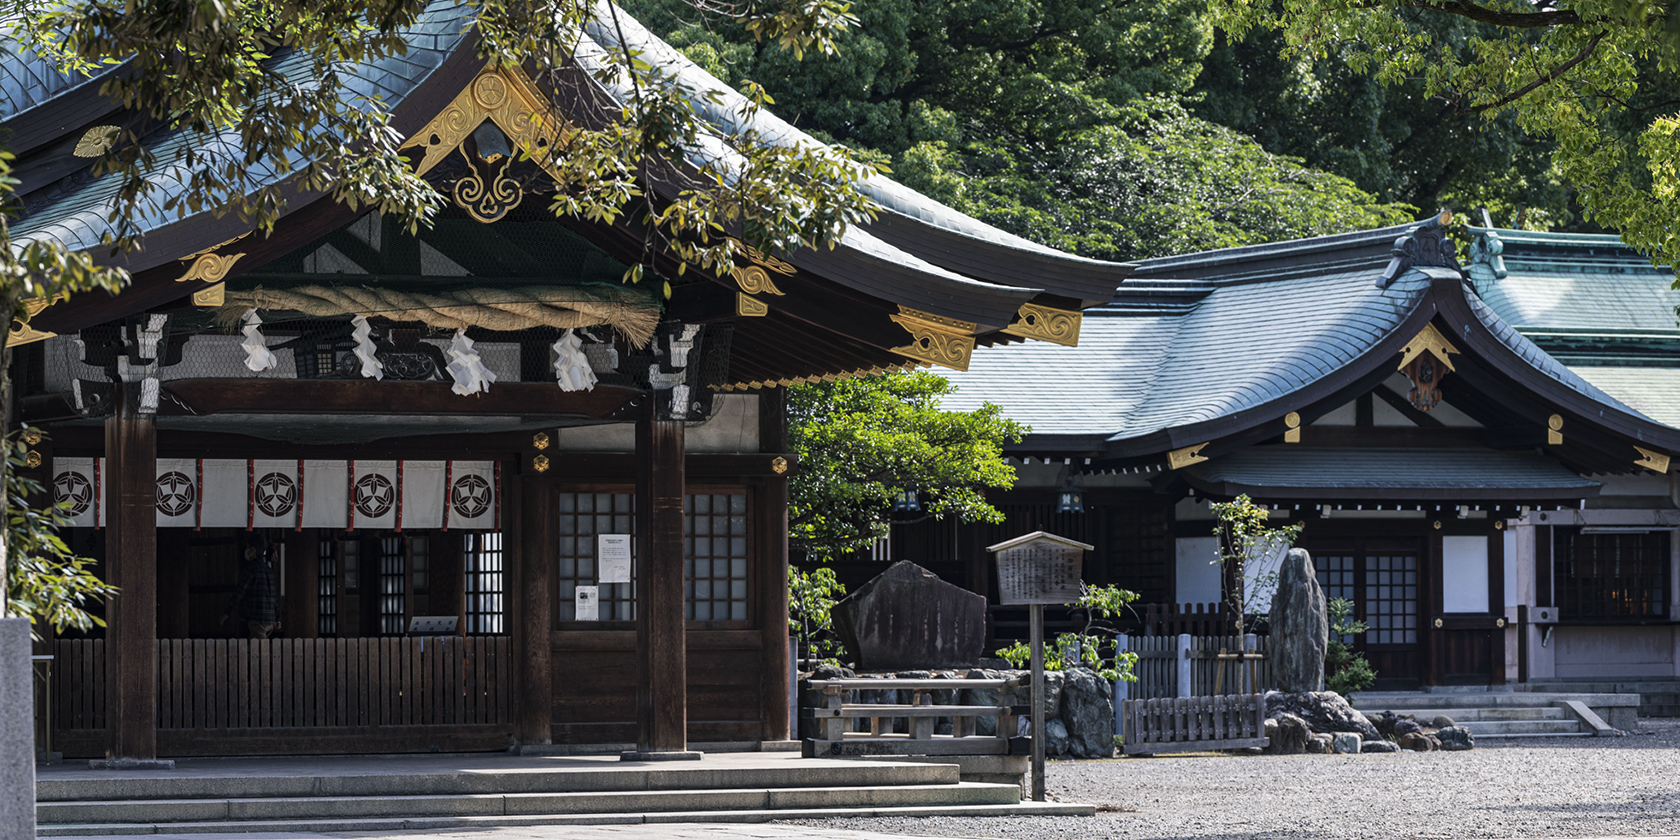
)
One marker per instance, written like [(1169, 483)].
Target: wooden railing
[(1192, 724), (1165, 663), (1213, 619), (273, 684), (842, 709)]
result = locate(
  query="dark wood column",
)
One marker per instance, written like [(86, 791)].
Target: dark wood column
[(131, 565), (533, 621), (661, 648), (773, 571)]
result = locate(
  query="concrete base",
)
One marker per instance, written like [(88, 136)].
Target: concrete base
[(615, 749), (994, 769), (17, 730), (131, 764), (661, 755)]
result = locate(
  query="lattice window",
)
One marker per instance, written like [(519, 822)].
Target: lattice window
[(326, 590), (1611, 575), (483, 554), (1391, 598), (1336, 578), (715, 565), (393, 586), (419, 573), (581, 517)]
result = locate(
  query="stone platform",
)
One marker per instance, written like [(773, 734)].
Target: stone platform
[(387, 793)]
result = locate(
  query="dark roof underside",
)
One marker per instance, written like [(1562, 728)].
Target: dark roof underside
[(1412, 475)]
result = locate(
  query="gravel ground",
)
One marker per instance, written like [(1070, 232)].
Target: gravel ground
[(1530, 788)]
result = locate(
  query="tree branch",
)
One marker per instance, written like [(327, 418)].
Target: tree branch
[(1554, 74), (1512, 20)]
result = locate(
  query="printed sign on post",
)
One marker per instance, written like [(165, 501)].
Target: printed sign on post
[(588, 603), (612, 556)]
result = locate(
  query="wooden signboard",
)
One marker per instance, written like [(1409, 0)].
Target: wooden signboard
[(1039, 568)]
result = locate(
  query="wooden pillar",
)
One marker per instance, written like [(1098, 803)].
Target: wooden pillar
[(300, 609), (661, 647), (174, 621), (773, 572), (131, 565), (533, 622)]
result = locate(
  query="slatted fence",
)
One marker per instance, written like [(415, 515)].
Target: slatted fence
[(1191, 724), (1160, 659), (264, 688)]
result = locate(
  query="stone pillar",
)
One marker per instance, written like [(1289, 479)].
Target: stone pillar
[(131, 565), (661, 645), (17, 730)]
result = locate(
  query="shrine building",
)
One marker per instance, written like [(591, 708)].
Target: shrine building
[(506, 499)]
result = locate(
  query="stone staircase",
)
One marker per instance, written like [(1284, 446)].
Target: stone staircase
[(1504, 714), (1657, 697), (295, 795)]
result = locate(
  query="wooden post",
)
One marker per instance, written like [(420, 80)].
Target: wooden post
[(1036, 618), (533, 624), (773, 573), (131, 563), (661, 647)]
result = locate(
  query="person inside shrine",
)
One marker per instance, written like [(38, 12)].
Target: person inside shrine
[(257, 597)]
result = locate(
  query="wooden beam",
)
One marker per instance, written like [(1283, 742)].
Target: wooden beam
[(131, 565), (772, 516), (199, 397), (661, 651), (534, 619)]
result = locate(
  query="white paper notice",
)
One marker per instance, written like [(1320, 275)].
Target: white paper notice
[(588, 603), (612, 556)]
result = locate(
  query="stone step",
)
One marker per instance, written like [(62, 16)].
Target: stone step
[(297, 826), (157, 811), (1523, 728), (1473, 715), (246, 779)]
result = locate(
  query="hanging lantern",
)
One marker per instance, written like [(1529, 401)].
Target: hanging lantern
[(907, 502), (1070, 500)]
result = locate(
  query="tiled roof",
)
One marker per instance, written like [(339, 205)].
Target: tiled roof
[(27, 80), (1652, 391), (1414, 474), (1574, 285)]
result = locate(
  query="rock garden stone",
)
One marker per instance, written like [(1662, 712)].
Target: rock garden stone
[(1346, 743), (1292, 735), (1300, 626), (906, 617), (1055, 738), (1403, 727), (1379, 747), (1324, 711), (1419, 742), (983, 697), (1443, 722), (1321, 743), (1088, 711), (1456, 738)]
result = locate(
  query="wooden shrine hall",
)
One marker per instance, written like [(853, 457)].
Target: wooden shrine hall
[(493, 496)]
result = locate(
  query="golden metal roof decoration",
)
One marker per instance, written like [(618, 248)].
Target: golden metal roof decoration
[(1651, 459), (211, 296), (754, 280), (1044, 323), (540, 440), (748, 306), (1422, 360), (32, 436), (504, 97), (209, 266), (1292, 420), (778, 465), (96, 141), (1184, 457), (939, 340), (21, 333), (779, 266), (1554, 430)]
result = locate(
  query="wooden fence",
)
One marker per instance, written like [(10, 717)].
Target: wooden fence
[(1190, 724), (1214, 619), (251, 686), (1162, 661)]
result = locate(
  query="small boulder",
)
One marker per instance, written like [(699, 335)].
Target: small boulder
[(1456, 738), (1419, 742), (1324, 711), (1292, 735), (1384, 722), (1379, 747), (1443, 722), (1346, 743), (1403, 727), (1320, 743), (1088, 711)]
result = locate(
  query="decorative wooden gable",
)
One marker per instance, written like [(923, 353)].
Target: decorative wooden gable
[(1425, 360)]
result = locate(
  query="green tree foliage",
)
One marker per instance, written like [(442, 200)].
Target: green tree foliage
[(1596, 78), (812, 595), (863, 442), (1086, 648), (1346, 670), (1058, 120), (1392, 141), (45, 580), (1246, 536)]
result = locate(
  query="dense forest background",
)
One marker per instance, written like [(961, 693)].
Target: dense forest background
[(1125, 129)]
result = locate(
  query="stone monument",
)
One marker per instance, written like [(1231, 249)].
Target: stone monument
[(17, 730), (1300, 626), (907, 618)]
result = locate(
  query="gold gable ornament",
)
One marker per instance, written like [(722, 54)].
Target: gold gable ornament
[(1554, 430), (1425, 360), (946, 342), (748, 306), (1044, 323), (1292, 426), (1181, 458), (21, 333), (1651, 459), (212, 296)]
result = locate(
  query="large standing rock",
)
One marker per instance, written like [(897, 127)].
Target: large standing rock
[(1055, 738), (908, 618), (1300, 625), (1088, 711), (1324, 711)]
